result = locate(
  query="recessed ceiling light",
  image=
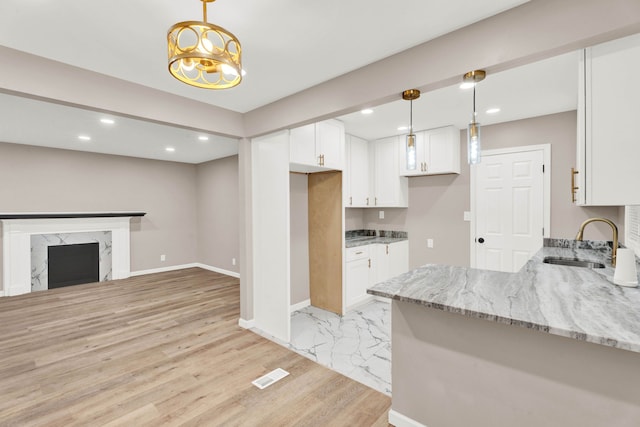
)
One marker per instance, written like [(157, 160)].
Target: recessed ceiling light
[(493, 110), (170, 149), (107, 121), (467, 85), (203, 138), (403, 127), (367, 111), (84, 137)]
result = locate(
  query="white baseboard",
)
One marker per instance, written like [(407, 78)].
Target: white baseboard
[(246, 324), (300, 305), (219, 270), (398, 420), (365, 299), (183, 266), (163, 269)]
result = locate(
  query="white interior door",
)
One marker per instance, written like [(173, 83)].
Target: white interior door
[(509, 208)]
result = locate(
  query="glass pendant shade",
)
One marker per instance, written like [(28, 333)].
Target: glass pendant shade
[(473, 132), (411, 152), (473, 143)]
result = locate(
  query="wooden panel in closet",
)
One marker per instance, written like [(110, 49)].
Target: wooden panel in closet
[(325, 240)]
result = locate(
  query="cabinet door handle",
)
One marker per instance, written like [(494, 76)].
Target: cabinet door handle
[(367, 201), (358, 253), (350, 200), (422, 166), (369, 262), (375, 201), (574, 188), (322, 159), (387, 249)]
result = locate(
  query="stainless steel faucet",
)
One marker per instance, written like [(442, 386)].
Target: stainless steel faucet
[(614, 251)]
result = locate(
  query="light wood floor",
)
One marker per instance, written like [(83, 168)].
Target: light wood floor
[(161, 349)]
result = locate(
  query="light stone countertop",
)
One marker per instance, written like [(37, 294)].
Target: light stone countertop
[(573, 302), (353, 242)]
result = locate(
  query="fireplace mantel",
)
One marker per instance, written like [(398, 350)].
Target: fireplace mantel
[(45, 215), (17, 229)]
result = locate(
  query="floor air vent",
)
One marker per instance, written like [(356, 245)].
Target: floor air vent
[(270, 378)]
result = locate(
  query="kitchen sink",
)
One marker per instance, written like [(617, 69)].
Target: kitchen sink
[(572, 262)]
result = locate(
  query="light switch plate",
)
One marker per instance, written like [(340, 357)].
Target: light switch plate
[(430, 243), (381, 214), (467, 216)]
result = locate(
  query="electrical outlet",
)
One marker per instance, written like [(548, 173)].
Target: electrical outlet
[(233, 261), (163, 257), (430, 243), (381, 214)]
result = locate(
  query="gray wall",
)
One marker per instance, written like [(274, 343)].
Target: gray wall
[(218, 213), (450, 370), (437, 203), (353, 219), (192, 211), (299, 226)]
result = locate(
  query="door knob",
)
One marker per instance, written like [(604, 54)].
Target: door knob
[(481, 240)]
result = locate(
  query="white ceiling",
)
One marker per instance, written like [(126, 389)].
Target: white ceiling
[(545, 87), (288, 45), (311, 42), (34, 122)]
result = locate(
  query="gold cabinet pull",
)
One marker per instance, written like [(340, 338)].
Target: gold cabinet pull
[(321, 159), (574, 188)]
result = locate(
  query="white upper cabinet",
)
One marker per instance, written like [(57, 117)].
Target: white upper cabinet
[(437, 152), (317, 147), (608, 148), (330, 144), (389, 188), (357, 173)]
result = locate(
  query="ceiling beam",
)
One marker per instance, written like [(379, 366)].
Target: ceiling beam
[(531, 32), (40, 78)]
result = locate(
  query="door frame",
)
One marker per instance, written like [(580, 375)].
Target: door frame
[(546, 197)]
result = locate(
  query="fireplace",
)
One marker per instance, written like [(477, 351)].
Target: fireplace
[(18, 229), (73, 264)]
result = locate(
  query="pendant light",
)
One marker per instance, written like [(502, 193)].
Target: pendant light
[(204, 55), (412, 156), (473, 132)]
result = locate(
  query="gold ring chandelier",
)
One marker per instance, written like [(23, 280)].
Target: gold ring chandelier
[(203, 54)]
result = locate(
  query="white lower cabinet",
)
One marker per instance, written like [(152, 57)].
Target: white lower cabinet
[(367, 265), (357, 272), (390, 260)]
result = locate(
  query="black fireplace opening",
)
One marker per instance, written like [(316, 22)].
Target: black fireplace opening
[(73, 264)]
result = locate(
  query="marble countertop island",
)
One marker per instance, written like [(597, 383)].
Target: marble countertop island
[(574, 302)]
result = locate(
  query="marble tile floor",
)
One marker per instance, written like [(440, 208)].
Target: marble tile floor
[(357, 345)]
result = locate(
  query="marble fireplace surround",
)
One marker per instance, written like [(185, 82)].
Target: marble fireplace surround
[(17, 229)]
